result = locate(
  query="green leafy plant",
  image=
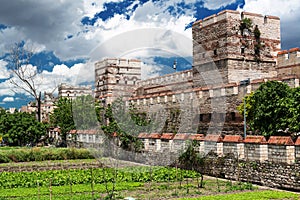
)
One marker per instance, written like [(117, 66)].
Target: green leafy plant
[(246, 24)]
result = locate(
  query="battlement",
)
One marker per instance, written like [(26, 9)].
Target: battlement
[(288, 62), (188, 94), (233, 14), (288, 57), (168, 78)]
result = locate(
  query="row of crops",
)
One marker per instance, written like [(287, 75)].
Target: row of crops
[(95, 176)]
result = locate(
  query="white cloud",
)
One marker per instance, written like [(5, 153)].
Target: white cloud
[(216, 4), (4, 73), (41, 25), (8, 99), (288, 11), (48, 81), (43, 22)]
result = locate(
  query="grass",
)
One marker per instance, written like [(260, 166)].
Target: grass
[(138, 190), (47, 163), (255, 195), (14, 154), (64, 192), (213, 188)]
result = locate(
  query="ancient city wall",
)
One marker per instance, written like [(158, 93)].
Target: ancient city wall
[(270, 174), (199, 109), (253, 148)]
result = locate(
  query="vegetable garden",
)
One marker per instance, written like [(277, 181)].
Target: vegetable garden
[(45, 177)]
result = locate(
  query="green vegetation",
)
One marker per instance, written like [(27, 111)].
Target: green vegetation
[(86, 176), (273, 106), (62, 116), (246, 24), (191, 160), (257, 195), (79, 191), (50, 162), (109, 183), (40, 154), (20, 129), (84, 112), (127, 124)]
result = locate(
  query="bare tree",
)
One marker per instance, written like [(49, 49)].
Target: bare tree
[(25, 73)]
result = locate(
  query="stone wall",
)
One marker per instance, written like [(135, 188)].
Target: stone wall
[(201, 109), (297, 152), (270, 174), (277, 149), (281, 153), (256, 152)]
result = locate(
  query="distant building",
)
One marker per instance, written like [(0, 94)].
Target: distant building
[(72, 92)]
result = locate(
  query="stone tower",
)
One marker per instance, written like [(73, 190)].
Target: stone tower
[(238, 45), (116, 78)]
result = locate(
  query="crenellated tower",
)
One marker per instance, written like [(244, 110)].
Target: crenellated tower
[(116, 78), (238, 45)]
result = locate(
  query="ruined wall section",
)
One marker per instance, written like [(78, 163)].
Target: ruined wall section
[(219, 43)]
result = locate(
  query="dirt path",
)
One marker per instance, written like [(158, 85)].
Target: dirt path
[(111, 162)]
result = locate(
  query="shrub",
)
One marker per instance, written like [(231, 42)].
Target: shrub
[(41, 154)]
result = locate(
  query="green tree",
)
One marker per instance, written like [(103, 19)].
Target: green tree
[(294, 110), (62, 116), (84, 112), (127, 123), (190, 159), (268, 108), (19, 129)]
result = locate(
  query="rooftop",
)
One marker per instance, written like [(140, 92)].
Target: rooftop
[(256, 139), (280, 140)]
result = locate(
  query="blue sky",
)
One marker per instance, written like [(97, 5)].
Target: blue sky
[(68, 36)]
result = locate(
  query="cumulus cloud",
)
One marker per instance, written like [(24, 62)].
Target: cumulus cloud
[(57, 27), (216, 4), (48, 81), (43, 22), (288, 13), (8, 99), (4, 73)]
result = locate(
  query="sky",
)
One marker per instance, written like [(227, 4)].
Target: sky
[(67, 37)]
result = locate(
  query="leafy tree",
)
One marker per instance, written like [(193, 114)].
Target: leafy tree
[(190, 159), (62, 116), (19, 129), (127, 123), (268, 108), (84, 112), (294, 110)]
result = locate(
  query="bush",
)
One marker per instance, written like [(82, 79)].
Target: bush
[(41, 154)]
